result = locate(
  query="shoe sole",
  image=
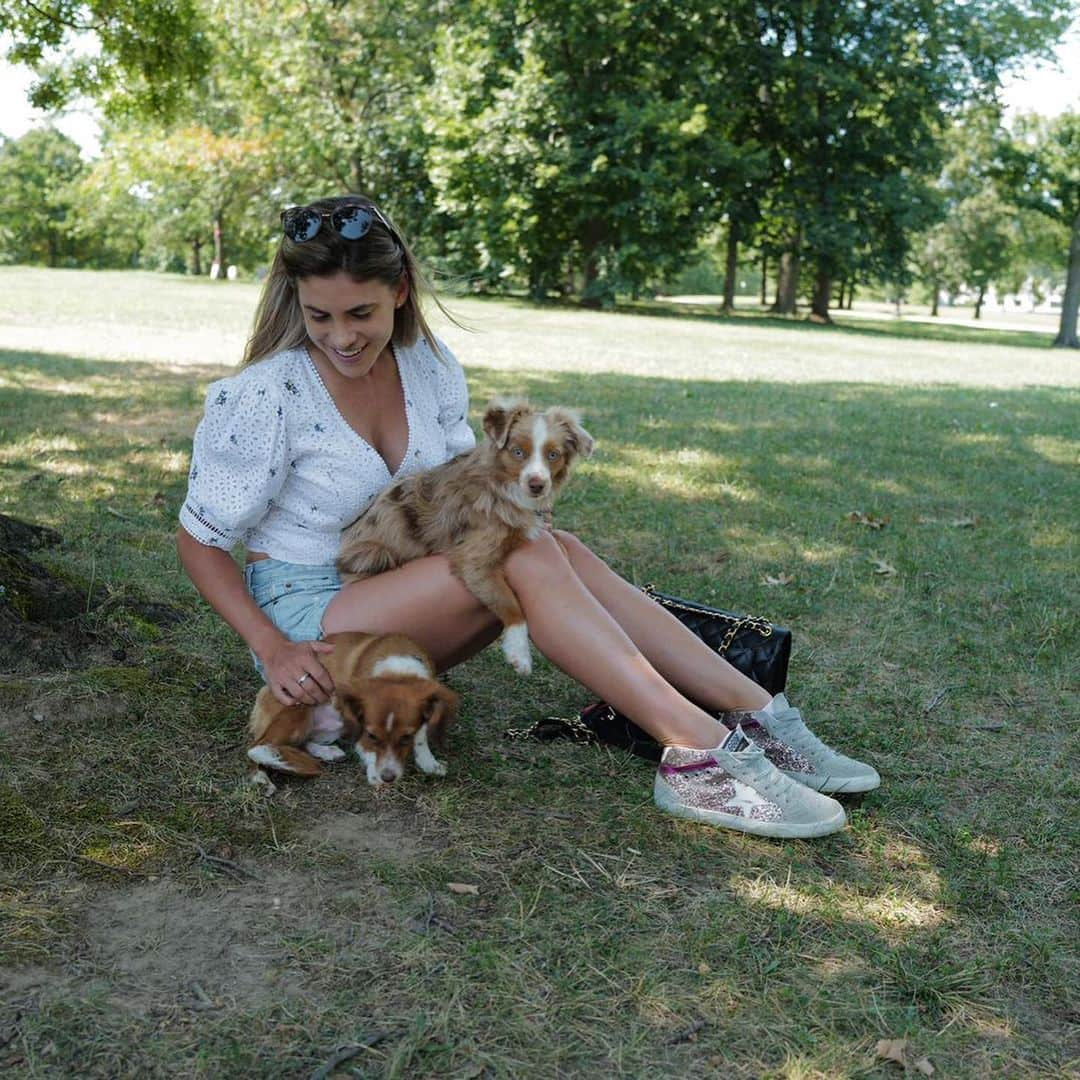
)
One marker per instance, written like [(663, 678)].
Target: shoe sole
[(828, 785), (778, 830)]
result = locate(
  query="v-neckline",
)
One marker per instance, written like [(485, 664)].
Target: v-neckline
[(401, 377)]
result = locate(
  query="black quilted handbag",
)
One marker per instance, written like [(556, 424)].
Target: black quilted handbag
[(755, 646)]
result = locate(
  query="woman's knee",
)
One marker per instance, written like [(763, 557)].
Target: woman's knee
[(540, 561), (572, 547)]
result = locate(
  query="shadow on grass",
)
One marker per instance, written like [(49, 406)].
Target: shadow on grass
[(900, 328)]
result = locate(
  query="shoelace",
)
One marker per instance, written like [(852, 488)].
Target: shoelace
[(764, 777), (795, 733)]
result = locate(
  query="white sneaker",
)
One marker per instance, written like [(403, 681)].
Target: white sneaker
[(736, 786), (794, 749)]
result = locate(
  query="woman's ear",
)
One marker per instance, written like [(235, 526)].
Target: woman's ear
[(402, 293)]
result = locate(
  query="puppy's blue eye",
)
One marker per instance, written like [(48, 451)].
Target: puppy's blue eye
[(517, 451), (554, 455)]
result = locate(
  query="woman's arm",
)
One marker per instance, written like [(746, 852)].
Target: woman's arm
[(217, 577)]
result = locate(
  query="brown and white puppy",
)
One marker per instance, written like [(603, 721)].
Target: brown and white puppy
[(386, 701), (476, 509)]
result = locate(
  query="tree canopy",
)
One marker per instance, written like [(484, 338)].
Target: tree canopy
[(569, 147)]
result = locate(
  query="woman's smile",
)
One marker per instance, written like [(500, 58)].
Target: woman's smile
[(350, 322)]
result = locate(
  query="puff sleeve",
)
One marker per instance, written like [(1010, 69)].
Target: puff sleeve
[(454, 405), (239, 462)]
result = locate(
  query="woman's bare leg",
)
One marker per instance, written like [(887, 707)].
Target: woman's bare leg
[(572, 629), (678, 654), (421, 599), (568, 625)]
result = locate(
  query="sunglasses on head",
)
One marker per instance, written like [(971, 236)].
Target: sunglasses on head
[(302, 223)]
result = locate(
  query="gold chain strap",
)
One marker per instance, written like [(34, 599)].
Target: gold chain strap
[(753, 622), (579, 731)]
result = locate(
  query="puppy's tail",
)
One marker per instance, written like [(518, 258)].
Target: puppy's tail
[(284, 759), (365, 558)]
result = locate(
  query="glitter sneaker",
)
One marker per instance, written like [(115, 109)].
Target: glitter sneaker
[(794, 749), (735, 786)]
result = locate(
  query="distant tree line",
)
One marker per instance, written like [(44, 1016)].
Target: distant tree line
[(578, 148)]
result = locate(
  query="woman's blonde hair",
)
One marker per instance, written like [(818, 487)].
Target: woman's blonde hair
[(381, 254)]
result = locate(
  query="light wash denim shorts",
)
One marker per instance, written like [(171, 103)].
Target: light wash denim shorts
[(293, 596)]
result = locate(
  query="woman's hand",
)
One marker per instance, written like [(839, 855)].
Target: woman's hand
[(295, 675)]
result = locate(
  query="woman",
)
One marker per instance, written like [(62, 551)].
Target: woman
[(344, 387)]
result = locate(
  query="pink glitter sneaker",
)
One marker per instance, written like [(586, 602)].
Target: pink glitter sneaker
[(736, 786)]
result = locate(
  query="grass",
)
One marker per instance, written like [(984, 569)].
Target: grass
[(158, 918)]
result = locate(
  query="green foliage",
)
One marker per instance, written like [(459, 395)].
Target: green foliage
[(570, 147), (337, 95), (35, 198), (148, 51), (1043, 163), (194, 193), (572, 141)]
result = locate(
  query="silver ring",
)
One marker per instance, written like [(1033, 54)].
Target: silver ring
[(300, 681)]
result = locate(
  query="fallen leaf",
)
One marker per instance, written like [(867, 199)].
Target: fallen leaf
[(721, 556), (889, 665), (924, 1066), (892, 1050), (462, 889), (868, 520), (882, 567), (964, 522), (783, 579)]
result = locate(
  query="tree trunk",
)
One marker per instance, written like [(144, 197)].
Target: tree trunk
[(219, 256), (787, 284), (1070, 307), (590, 275), (731, 265), (850, 295), (840, 298), (764, 275), (537, 284), (819, 306), (979, 300), (196, 256), (935, 288)]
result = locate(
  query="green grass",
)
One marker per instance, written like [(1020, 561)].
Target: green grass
[(158, 918)]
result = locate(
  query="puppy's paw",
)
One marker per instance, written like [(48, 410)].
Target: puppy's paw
[(515, 647), (324, 751), (260, 779), (371, 770), (425, 760)]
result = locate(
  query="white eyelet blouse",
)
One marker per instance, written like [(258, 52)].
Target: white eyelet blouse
[(277, 468)]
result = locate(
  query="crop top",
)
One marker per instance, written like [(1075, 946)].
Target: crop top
[(277, 468)]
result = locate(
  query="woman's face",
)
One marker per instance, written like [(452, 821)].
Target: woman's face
[(349, 322)]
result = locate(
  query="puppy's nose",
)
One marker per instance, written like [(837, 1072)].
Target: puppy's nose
[(536, 487), (388, 776)]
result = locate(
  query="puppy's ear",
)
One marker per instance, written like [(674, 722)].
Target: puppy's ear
[(577, 438), (352, 699), (498, 417), (439, 711)]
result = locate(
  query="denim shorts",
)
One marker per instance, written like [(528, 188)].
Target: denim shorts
[(293, 596)]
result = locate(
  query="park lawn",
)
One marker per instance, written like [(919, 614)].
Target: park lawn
[(159, 917)]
